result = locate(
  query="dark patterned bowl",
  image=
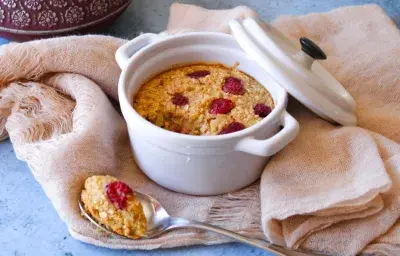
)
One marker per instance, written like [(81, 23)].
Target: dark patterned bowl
[(26, 19)]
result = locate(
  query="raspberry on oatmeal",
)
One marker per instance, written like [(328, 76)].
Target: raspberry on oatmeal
[(234, 86), (232, 127), (262, 110), (203, 99), (113, 204), (180, 100), (221, 106), (198, 74)]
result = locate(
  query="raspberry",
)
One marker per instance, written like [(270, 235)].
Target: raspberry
[(199, 74), (262, 110), (233, 85), (232, 127), (221, 106), (118, 193), (180, 100)]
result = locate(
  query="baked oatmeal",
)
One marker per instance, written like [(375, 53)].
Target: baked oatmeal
[(203, 99), (112, 203)]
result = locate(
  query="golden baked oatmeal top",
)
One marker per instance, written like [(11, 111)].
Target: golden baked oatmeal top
[(203, 99), (113, 204)]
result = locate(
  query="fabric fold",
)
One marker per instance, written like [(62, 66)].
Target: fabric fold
[(336, 193)]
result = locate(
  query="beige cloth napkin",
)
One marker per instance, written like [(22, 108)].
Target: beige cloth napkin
[(334, 189)]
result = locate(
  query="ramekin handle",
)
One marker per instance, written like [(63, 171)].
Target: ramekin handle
[(126, 51), (274, 144)]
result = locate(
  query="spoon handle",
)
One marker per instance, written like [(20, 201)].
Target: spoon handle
[(176, 223)]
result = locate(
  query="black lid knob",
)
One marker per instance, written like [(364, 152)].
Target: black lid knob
[(312, 49)]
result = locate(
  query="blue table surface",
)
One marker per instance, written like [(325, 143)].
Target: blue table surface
[(28, 223)]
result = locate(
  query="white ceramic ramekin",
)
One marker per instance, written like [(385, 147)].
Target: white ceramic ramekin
[(199, 165)]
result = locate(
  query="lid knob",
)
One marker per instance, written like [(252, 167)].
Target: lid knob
[(310, 51)]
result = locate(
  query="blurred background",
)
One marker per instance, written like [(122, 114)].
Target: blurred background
[(152, 15), (24, 19)]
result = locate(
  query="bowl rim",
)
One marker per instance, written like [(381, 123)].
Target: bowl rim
[(128, 110)]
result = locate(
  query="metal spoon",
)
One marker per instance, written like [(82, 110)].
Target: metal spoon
[(159, 222)]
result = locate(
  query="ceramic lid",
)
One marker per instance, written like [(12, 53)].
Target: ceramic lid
[(296, 70)]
